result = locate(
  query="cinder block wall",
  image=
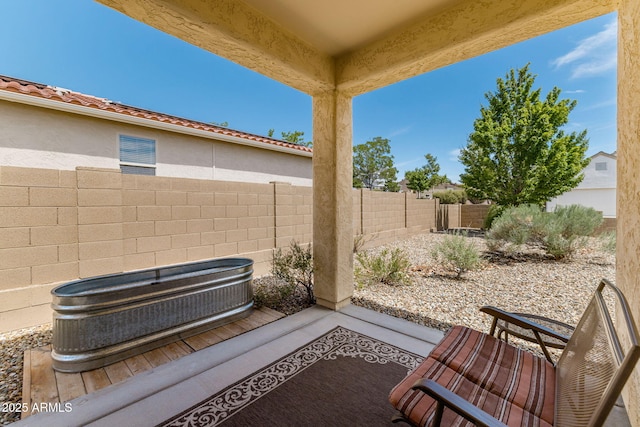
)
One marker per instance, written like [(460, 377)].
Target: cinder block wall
[(293, 214), (57, 226), (382, 212), (450, 216), (38, 241), (383, 217), (420, 213), (457, 215), (473, 216)]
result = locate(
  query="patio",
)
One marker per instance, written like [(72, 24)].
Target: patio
[(43, 385), (150, 396), (158, 393), (419, 41)]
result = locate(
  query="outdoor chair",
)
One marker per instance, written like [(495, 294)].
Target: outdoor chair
[(475, 378), (556, 334)]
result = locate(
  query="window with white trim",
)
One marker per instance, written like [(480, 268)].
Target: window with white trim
[(137, 155), (601, 166)]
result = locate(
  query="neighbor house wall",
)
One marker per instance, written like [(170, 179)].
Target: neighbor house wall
[(600, 199), (597, 190), (46, 138), (61, 225)]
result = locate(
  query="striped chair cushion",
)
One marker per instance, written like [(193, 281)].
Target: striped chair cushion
[(512, 385)]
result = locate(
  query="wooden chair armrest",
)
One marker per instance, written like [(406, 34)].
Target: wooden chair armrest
[(445, 397), (522, 322)]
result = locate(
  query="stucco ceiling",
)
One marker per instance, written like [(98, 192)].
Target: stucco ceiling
[(338, 26), (355, 46)]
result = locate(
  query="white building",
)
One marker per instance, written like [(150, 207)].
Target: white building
[(598, 188), (54, 128)]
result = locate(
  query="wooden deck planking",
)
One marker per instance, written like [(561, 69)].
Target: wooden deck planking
[(196, 342), (26, 384), (137, 364), (176, 350), (225, 332), (70, 386), (118, 372), (156, 357), (41, 384), (44, 387), (95, 380)]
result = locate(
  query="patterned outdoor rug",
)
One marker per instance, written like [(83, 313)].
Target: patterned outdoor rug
[(344, 380)]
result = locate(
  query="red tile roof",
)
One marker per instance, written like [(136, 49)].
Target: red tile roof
[(40, 90)]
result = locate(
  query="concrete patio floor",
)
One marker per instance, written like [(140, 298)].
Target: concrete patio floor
[(156, 395)]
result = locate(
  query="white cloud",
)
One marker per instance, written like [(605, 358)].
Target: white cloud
[(575, 91), (574, 126), (606, 103), (408, 162), (596, 67), (454, 154), (593, 55), (400, 131)]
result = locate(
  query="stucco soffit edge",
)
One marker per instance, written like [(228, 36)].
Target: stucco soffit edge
[(240, 34), (471, 28)]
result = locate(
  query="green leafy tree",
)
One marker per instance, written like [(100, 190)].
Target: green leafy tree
[(518, 152), (294, 137), (372, 161), (392, 185), (425, 177)]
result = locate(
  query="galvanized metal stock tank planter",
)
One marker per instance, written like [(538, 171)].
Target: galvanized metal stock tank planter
[(101, 320)]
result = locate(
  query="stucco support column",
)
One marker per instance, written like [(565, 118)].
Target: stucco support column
[(628, 192), (332, 199)]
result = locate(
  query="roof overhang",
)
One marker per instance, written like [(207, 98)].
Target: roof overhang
[(355, 46)]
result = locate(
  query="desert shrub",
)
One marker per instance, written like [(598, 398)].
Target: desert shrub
[(390, 268), (359, 240), (271, 296), (450, 197), (457, 253), (494, 212), (514, 226), (577, 220), (294, 267), (607, 241), (559, 233)]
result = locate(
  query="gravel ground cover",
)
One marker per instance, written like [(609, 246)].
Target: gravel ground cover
[(435, 298), (527, 282), (12, 347)]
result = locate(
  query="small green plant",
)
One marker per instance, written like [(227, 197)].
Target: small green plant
[(513, 227), (272, 296), (294, 267), (607, 242), (390, 268), (457, 253), (559, 233), (359, 240), (492, 214), (577, 220)]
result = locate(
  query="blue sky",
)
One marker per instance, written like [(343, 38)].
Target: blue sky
[(89, 48)]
